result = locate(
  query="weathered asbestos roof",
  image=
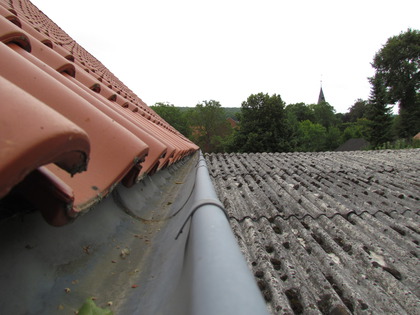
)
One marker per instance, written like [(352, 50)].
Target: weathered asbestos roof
[(353, 145), (327, 233), (69, 129)]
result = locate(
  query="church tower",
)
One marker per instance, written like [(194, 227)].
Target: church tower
[(321, 97)]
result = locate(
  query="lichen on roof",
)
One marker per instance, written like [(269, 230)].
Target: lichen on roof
[(327, 232)]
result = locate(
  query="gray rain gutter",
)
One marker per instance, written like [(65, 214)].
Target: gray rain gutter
[(163, 246), (216, 279)]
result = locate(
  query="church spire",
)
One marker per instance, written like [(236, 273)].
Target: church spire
[(321, 97)]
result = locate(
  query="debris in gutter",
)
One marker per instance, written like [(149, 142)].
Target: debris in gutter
[(90, 308), (86, 249), (124, 253)]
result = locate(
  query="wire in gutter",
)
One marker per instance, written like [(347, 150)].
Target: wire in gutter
[(202, 203)]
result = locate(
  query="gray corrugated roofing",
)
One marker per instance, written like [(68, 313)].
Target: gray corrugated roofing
[(353, 145), (327, 233)]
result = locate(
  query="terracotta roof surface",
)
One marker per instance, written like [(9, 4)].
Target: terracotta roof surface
[(67, 125), (327, 233)]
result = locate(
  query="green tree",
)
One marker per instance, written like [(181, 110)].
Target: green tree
[(355, 130), (339, 117), (397, 63), (173, 116), (263, 126), (311, 137), (209, 126), (379, 113), (356, 111), (332, 138), (324, 114), (301, 112)]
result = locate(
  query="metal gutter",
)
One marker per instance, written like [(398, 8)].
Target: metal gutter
[(129, 254), (216, 279)]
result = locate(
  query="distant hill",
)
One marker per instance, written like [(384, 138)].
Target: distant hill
[(232, 112)]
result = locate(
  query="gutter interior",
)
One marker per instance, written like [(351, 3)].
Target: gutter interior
[(123, 253)]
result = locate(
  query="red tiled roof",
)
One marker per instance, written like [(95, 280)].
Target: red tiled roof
[(63, 112)]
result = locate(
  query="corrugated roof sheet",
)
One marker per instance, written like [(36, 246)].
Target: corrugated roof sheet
[(327, 233), (68, 120), (353, 145)]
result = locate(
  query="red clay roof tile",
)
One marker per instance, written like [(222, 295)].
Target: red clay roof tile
[(52, 197), (8, 7), (10, 16), (129, 140), (113, 147), (41, 134), (156, 147), (10, 33)]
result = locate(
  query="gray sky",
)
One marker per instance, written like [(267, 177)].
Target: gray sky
[(184, 52)]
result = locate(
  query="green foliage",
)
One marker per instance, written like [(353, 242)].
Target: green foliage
[(358, 129), (324, 114), (209, 126), (173, 116), (379, 113), (311, 137), (356, 111), (263, 126), (301, 112), (90, 308), (339, 117), (399, 144), (266, 124), (332, 139), (397, 64), (232, 112)]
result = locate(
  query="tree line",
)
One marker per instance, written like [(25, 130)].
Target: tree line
[(264, 123)]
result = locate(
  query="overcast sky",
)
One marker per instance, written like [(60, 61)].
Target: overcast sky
[(184, 52)]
